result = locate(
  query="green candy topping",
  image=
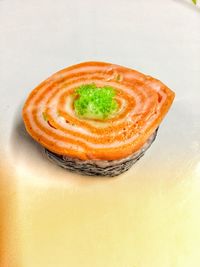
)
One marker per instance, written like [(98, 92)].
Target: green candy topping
[(94, 102)]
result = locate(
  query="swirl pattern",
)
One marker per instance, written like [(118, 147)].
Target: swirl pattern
[(50, 118)]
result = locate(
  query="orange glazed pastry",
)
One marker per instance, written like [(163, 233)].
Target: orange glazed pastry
[(96, 118)]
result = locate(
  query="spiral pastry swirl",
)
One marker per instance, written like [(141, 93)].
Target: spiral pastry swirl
[(50, 118)]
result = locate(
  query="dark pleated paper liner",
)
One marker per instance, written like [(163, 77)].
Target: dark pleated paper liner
[(100, 167)]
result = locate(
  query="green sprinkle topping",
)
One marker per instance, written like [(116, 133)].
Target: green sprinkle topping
[(95, 102), (44, 116), (118, 77)]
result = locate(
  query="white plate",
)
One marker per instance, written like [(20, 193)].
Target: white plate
[(148, 216)]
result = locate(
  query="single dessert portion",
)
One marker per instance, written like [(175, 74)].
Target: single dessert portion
[(96, 118)]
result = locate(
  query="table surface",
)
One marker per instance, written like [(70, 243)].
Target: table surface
[(147, 217)]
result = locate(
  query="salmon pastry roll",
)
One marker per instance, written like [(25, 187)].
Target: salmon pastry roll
[(96, 118)]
